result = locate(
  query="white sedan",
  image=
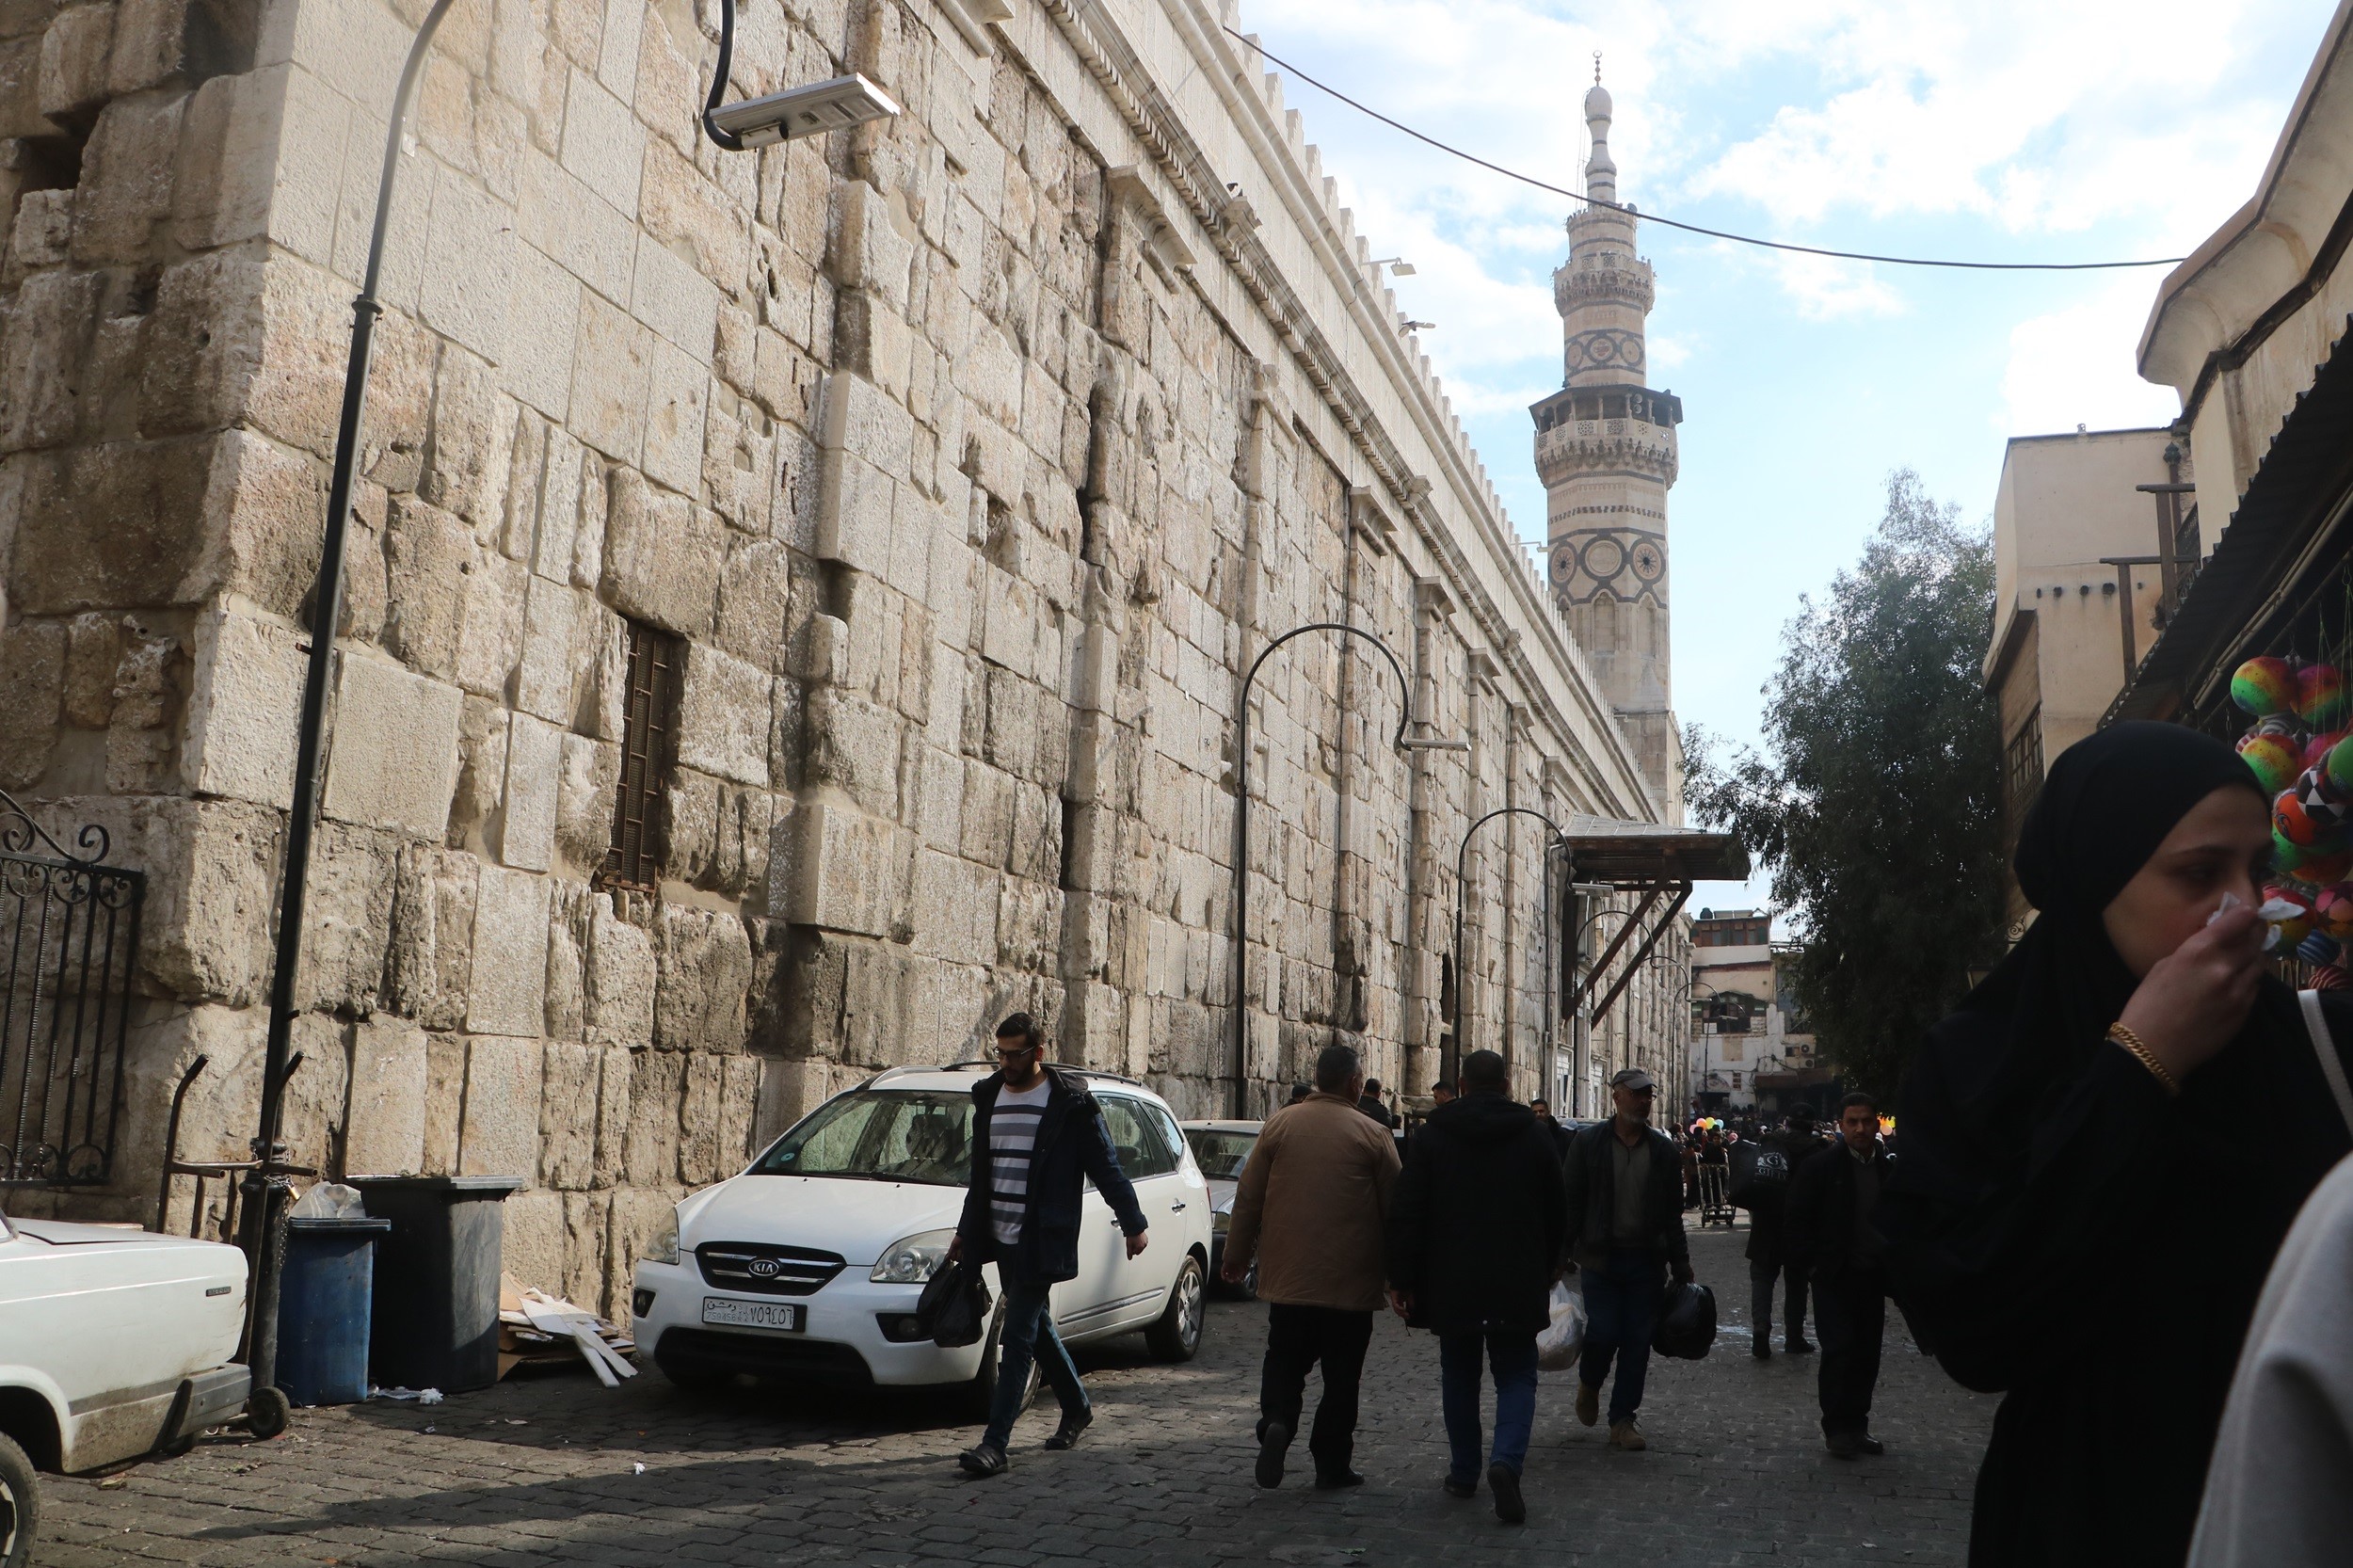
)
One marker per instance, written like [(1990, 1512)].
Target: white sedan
[(113, 1343), (810, 1264)]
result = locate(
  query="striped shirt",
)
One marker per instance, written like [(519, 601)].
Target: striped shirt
[(1011, 1135)]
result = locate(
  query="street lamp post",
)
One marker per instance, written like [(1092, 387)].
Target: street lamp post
[(1462, 871), (1237, 1099)]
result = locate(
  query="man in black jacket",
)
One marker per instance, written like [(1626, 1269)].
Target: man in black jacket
[(1475, 1229), (1035, 1133), (1768, 1249), (1561, 1136), (1830, 1235), (1624, 1191)]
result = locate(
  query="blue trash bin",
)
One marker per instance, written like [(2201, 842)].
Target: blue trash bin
[(323, 1309)]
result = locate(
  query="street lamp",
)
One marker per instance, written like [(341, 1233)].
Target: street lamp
[(1462, 872), (802, 111), (1237, 1098), (1399, 267)]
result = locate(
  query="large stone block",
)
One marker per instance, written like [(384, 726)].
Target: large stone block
[(32, 683), (856, 744), (533, 1240), (739, 1109), (470, 442), (118, 526), (500, 1135), (670, 296), (389, 1082), (678, 402), (490, 624), (585, 800), (429, 556), (705, 967), (93, 653), (622, 979), (126, 190), (229, 146), (395, 758), (550, 670), (44, 359), (74, 55), (245, 712), (657, 1081), (469, 271), (568, 1116), (661, 557), (535, 751), (615, 1072), (510, 954), (868, 251), (755, 596), (603, 144), (433, 919), (347, 925), (699, 1155), (723, 716), (836, 866)]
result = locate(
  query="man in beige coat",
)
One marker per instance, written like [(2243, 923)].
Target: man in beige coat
[(1312, 1204)]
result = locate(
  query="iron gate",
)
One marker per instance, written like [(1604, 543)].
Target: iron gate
[(69, 938)]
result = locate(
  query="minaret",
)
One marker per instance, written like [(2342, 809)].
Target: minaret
[(1606, 451)]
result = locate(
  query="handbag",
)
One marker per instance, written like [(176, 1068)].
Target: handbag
[(953, 1307), (2324, 1048), (1687, 1322)]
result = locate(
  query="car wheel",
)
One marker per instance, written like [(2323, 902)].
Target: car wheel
[(20, 1506), (1177, 1335), (979, 1394), (266, 1412)]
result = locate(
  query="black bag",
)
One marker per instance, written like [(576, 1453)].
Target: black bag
[(1760, 1173), (1687, 1322), (954, 1308)]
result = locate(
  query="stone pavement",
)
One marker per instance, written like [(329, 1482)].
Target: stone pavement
[(558, 1471)]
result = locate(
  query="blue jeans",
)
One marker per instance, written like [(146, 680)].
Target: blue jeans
[(1511, 1356), (1621, 1302), (1028, 1335)]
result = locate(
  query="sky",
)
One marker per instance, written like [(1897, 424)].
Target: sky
[(2000, 130)]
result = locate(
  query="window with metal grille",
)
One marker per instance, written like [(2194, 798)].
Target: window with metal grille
[(2022, 769), (635, 859)]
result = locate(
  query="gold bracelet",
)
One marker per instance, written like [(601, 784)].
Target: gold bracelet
[(2141, 1054)]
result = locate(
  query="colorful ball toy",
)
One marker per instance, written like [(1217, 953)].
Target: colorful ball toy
[(2316, 750), (2264, 686), (2323, 801), (2274, 759), (2288, 859), (2297, 927), (2332, 911), (2340, 764), (2291, 821), (2321, 870), (2321, 695)]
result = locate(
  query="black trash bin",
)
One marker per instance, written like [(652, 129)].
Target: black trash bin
[(437, 1280)]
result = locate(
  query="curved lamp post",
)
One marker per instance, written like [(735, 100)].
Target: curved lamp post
[(1462, 872), (1238, 1098)]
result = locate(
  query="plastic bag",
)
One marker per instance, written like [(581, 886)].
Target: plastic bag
[(1561, 1340), (1687, 1322), (954, 1308), (330, 1200)]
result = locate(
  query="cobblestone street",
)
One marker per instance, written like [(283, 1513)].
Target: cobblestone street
[(557, 1470)]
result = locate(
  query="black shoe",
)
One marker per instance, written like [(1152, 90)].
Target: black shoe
[(1336, 1480), (1844, 1445), (1272, 1442), (1460, 1488), (1798, 1347), (1067, 1436), (1870, 1445), (1762, 1349), (1504, 1482), (983, 1460)]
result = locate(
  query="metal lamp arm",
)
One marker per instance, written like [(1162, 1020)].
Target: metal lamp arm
[(726, 140)]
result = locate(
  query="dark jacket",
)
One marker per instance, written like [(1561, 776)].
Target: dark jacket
[(1476, 1222), (1558, 1136), (1371, 1105), (1765, 1211), (1592, 1182), (1072, 1144), (1818, 1229)]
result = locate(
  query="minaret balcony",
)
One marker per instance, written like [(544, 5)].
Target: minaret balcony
[(1605, 446), (1604, 280)]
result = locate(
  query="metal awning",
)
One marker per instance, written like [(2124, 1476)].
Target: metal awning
[(1653, 860)]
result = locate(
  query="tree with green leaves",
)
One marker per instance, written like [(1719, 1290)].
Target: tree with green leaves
[(1877, 803)]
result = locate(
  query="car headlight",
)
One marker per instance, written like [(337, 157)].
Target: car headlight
[(913, 1259), (664, 1248)]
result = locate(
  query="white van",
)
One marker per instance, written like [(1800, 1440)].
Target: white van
[(809, 1265)]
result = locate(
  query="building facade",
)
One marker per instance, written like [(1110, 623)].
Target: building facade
[(798, 601), (1752, 1050)]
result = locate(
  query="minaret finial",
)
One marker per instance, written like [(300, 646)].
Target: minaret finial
[(1596, 67)]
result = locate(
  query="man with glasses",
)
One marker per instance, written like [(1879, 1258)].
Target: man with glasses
[(1037, 1134), (1626, 1233)]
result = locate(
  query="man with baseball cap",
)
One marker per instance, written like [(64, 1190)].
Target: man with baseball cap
[(1626, 1234)]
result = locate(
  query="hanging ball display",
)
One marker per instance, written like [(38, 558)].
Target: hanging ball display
[(2321, 696), (2274, 759), (2316, 750), (2264, 686), (2291, 821), (2321, 870), (2288, 858), (2294, 928), (2332, 911), (2340, 764), (2323, 801)]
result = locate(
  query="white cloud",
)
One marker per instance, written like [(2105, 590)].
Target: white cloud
[(2075, 366), (1827, 289)]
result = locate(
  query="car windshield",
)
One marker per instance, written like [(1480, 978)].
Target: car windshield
[(920, 1135), (1220, 1154)]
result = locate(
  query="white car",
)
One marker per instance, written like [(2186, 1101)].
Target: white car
[(113, 1343), (810, 1264)]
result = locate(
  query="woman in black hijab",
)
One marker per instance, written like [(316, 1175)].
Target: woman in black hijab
[(2104, 1147)]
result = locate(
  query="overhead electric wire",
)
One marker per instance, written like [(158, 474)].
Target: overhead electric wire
[(1689, 228)]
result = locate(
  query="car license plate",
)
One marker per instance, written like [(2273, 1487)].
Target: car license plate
[(789, 1317)]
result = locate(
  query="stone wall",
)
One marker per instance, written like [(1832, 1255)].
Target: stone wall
[(970, 457)]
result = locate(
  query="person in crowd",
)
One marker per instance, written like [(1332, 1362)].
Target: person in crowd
[(2103, 1147), (1441, 1092), (1311, 1207), (1036, 1135), (1370, 1103), (1830, 1240), (2276, 1492), (1559, 1135), (1691, 1169), (1626, 1234), (1299, 1092), (1475, 1232), (1769, 1263)]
